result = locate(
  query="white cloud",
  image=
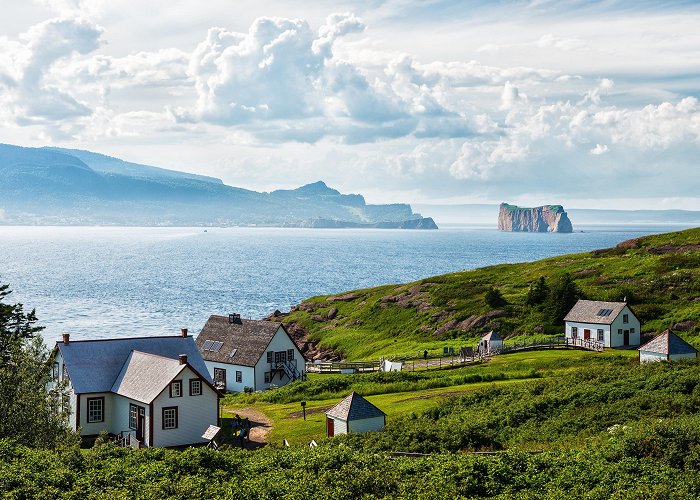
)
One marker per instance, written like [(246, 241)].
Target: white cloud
[(599, 149)]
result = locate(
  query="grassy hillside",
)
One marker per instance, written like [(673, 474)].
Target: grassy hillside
[(659, 275)]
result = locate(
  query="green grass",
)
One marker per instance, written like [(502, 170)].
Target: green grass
[(662, 288)]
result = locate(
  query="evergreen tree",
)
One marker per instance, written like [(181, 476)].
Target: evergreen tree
[(29, 413), (494, 298), (562, 296), (537, 293)]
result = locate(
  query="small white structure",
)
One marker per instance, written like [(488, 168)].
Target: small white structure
[(354, 414), (245, 353), (612, 323), (392, 366), (150, 391), (666, 346), (490, 342)]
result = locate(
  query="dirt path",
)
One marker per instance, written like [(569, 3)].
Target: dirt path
[(260, 424)]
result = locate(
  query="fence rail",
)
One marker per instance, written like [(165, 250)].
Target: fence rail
[(340, 367), (557, 342)]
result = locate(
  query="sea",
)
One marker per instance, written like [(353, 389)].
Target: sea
[(106, 282)]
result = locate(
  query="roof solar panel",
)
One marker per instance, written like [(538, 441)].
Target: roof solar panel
[(215, 346), (605, 312), (207, 344)]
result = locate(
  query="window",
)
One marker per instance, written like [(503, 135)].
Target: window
[(176, 389), (269, 356), (220, 376), (619, 331), (133, 415), (631, 330), (601, 335), (96, 409), (574, 332), (55, 373), (170, 417), (195, 387), (267, 377), (290, 354), (239, 376), (65, 372), (625, 318)]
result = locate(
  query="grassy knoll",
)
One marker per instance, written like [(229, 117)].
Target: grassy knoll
[(659, 275)]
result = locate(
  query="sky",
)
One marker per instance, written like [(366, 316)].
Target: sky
[(591, 104)]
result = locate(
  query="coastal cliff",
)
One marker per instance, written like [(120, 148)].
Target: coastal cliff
[(547, 218)]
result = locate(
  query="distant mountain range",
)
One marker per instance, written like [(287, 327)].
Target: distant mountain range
[(68, 186)]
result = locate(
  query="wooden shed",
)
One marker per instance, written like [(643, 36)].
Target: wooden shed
[(354, 414), (666, 346)]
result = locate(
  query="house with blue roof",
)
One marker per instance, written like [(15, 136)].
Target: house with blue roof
[(147, 391)]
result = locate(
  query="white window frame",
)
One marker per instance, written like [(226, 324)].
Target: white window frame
[(95, 410), (195, 387)]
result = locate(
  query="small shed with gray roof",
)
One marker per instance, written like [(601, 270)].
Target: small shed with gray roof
[(354, 414), (246, 354), (491, 342), (666, 346), (613, 324), (147, 391)]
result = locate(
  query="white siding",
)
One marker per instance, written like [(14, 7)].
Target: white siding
[(280, 342), (648, 357), (93, 428), (195, 414), (120, 417), (589, 326), (247, 372), (339, 426), (366, 424), (617, 338)]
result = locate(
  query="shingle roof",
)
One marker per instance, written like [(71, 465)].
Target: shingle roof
[(247, 337), (354, 407), (144, 376), (491, 336), (587, 311), (93, 365), (668, 343)]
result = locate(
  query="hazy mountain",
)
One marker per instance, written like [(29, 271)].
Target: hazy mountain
[(64, 186)]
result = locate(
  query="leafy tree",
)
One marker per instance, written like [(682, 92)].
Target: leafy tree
[(537, 293), (562, 296), (29, 413), (494, 298)]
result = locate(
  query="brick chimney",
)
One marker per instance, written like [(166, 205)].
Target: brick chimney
[(184, 332), (66, 338), (183, 359)]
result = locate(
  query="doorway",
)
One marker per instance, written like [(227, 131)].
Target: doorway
[(586, 334), (140, 423), (330, 427), (626, 337)]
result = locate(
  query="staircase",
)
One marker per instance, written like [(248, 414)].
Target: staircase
[(291, 371)]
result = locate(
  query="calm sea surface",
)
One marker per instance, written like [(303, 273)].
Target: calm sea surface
[(111, 282)]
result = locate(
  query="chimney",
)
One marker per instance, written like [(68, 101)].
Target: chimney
[(183, 359), (184, 332), (234, 318), (66, 338)]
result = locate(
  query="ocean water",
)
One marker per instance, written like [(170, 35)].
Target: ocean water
[(101, 282)]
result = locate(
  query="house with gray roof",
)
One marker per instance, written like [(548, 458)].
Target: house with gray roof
[(613, 324), (148, 391), (666, 346), (491, 342), (242, 353), (354, 414)]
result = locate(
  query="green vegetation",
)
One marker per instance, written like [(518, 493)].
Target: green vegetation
[(659, 275)]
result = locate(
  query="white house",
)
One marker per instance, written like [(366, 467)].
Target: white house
[(612, 323), (151, 391), (490, 342), (354, 414), (245, 353), (666, 346)]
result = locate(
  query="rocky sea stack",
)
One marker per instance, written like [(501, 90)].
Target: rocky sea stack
[(544, 219)]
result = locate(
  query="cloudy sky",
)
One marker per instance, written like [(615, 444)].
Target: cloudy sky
[(590, 104)]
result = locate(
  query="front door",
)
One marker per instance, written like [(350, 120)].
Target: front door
[(330, 427), (626, 337), (220, 378), (140, 422), (586, 334)]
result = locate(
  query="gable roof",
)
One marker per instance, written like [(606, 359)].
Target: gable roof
[(491, 336), (93, 365), (354, 407), (243, 342), (144, 376), (668, 343), (595, 311)]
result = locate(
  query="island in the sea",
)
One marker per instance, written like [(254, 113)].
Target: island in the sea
[(54, 186), (544, 219)]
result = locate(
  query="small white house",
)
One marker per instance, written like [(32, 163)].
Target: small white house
[(612, 323), (150, 391), (666, 346), (490, 342), (245, 353), (354, 414)]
